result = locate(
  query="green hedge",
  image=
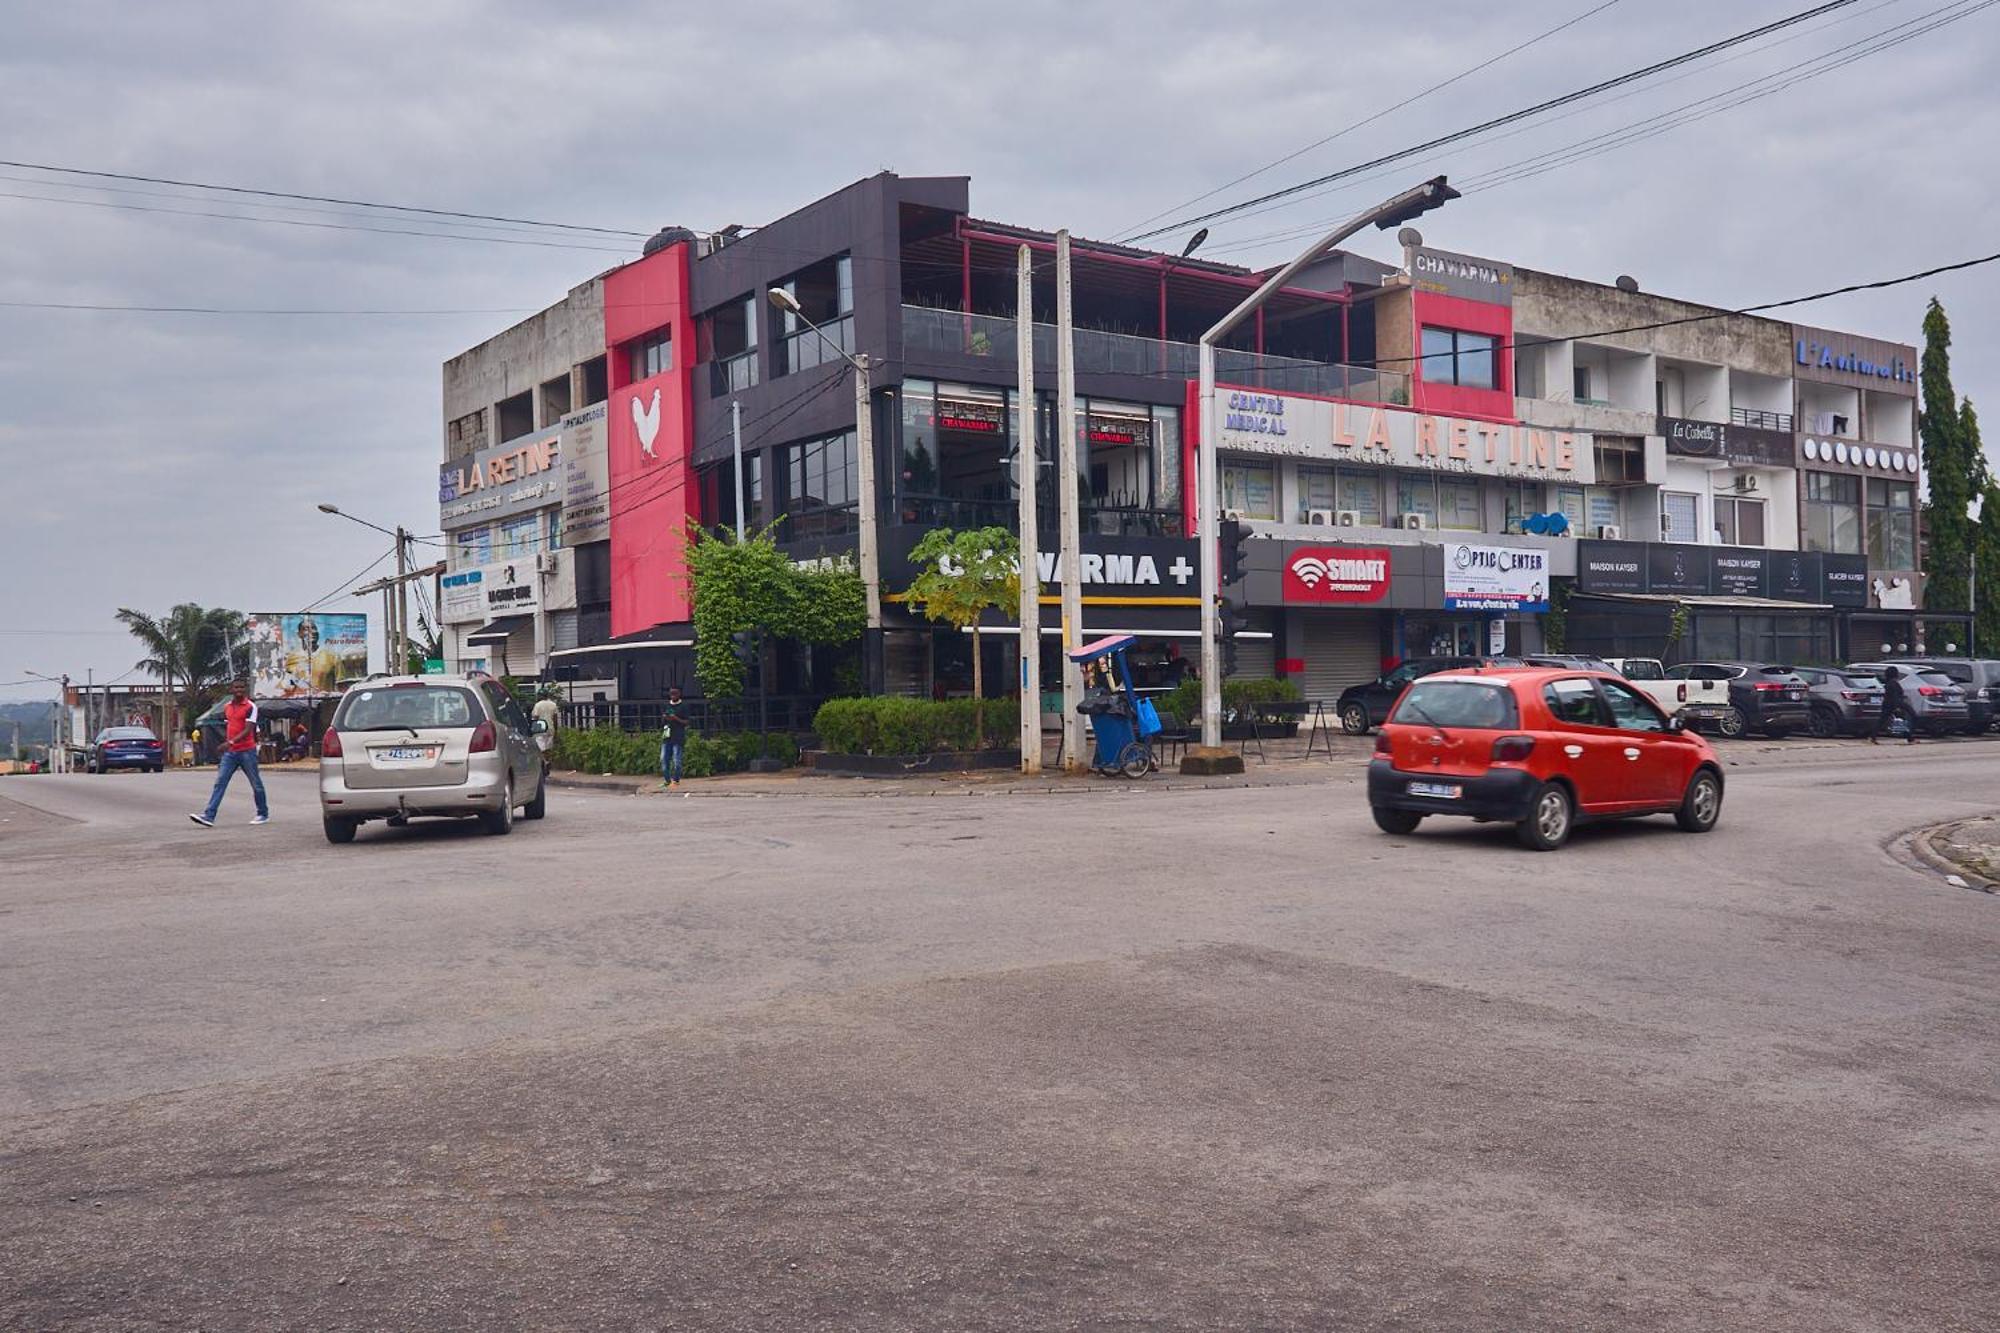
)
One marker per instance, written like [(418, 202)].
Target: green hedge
[(609, 750), (1184, 700), (893, 725)]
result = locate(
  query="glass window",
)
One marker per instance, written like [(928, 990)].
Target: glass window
[(1892, 524), (1458, 506), (555, 528), (1452, 703), (1166, 457), (653, 354), (1631, 710), (918, 474), (423, 706), (1453, 356), (1250, 488), (1601, 509), (475, 547), (821, 486), (1316, 490), (1361, 491), (1574, 703), (1569, 503), (1524, 498), (1833, 513), (1739, 522), (1680, 516), (825, 294), (1416, 493), (519, 537)]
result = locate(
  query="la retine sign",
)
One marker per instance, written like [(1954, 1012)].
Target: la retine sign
[(1323, 430)]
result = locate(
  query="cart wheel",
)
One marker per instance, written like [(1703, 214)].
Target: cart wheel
[(1135, 760)]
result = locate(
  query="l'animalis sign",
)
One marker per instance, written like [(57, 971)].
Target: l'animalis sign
[(500, 482), (1324, 430)]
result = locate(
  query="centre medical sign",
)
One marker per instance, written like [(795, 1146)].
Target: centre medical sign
[(1323, 430), (1495, 578), (500, 482)]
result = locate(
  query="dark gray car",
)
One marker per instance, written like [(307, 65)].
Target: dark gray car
[(1842, 705), (1935, 699), (1769, 695), (1978, 677)]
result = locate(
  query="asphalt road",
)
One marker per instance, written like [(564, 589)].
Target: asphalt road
[(1225, 1059)]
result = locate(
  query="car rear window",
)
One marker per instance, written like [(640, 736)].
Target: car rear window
[(1458, 703), (1864, 682), (127, 734), (420, 706), (1644, 671), (1935, 678), (1775, 671)]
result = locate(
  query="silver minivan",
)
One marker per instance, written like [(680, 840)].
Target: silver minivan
[(452, 746)]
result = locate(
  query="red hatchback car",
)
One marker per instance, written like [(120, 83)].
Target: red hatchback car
[(1540, 749)]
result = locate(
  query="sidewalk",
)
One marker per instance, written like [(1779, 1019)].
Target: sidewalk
[(1967, 852)]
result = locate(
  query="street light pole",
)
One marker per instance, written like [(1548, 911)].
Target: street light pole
[(864, 481), (1209, 756), (1070, 536), (1027, 464), (736, 449)]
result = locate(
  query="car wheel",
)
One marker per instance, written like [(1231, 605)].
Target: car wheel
[(501, 821), (1396, 821), (1549, 818), (1730, 724), (1702, 805), (538, 807), (338, 830), (1824, 723), (1354, 719)]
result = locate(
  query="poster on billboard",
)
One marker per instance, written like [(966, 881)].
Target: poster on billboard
[(586, 477), (293, 655), (1495, 578)]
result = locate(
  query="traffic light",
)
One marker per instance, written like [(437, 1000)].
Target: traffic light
[(1230, 621), (1229, 538)]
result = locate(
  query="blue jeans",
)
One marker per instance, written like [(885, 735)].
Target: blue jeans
[(231, 761), (670, 761)]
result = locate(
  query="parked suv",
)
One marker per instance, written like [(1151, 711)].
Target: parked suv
[(451, 746), (1365, 706), (1978, 677), (1771, 697), (1935, 698), (1841, 704)]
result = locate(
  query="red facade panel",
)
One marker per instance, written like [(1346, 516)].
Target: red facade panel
[(1456, 312)]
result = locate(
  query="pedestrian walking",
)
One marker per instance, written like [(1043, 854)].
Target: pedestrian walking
[(1894, 705), (673, 740), (548, 712), (239, 750)]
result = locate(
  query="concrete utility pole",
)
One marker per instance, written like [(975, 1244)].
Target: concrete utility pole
[(736, 445), (1209, 756), (392, 589), (1069, 519), (402, 601), (1025, 467)]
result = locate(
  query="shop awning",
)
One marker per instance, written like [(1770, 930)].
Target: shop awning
[(1703, 601), (670, 634), (496, 631)]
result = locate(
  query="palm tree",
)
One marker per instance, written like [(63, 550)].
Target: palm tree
[(196, 646)]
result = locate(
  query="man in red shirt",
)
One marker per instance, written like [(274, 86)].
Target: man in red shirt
[(239, 750)]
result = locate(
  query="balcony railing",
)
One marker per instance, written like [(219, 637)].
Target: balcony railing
[(950, 335), (942, 511), (1757, 418), (806, 348)]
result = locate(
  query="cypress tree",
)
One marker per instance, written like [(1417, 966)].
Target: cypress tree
[(1986, 545)]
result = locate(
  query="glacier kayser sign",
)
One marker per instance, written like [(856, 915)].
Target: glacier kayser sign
[(1495, 578), (1324, 430), (1335, 575)]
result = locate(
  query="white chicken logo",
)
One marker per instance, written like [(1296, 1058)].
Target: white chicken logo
[(647, 421)]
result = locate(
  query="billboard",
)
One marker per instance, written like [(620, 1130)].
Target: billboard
[(293, 654), (586, 478), (1495, 578)]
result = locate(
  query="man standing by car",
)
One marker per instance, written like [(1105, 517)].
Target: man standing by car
[(547, 712), (673, 740), (239, 750), (1894, 705)]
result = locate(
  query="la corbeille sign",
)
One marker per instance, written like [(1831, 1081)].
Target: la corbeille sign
[(1323, 430)]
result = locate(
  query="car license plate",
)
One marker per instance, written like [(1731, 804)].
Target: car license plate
[(1446, 791), (405, 754)]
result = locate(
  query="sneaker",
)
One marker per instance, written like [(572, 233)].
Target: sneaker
[(261, 819), (203, 820)]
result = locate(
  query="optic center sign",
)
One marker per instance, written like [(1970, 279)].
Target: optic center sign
[(1495, 578), (1323, 430)]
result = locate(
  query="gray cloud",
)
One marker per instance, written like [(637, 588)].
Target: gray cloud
[(161, 458)]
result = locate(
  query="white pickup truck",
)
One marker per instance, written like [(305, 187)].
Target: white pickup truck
[(1704, 702)]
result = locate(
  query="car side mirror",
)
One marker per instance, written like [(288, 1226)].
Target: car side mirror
[(541, 725), (1677, 724)]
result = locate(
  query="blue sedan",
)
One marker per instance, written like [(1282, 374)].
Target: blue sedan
[(127, 747)]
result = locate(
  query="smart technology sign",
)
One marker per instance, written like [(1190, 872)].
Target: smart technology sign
[(1336, 575)]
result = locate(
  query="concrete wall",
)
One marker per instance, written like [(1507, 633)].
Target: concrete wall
[(1549, 304), (539, 348)]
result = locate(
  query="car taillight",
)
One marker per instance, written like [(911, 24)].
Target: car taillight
[(483, 738), (152, 745), (1767, 686), (1853, 696), (1513, 749), (1382, 746), (329, 744), (1930, 691)]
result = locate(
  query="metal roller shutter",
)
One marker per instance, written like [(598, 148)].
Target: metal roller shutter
[(1339, 651), (1255, 658)]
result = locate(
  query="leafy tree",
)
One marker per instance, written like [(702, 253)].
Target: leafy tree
[(200, 648), (1954, 467), (752, 585), (1985, 550), (961, 575)]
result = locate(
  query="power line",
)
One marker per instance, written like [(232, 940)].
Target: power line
[(1496, 122), (320, 199), (366, 569), (1489, 62)]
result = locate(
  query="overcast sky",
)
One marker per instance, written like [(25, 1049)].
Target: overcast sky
[(157, 458)]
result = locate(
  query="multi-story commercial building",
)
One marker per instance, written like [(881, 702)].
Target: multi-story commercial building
[(1425, 453)]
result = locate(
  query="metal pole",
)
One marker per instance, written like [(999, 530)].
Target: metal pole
[(1026, 466), (402, 601), (864, 514), (1069, 483), (1405, 205), (736, 438)]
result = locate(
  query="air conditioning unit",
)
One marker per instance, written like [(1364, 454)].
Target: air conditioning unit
[(545, 562), (1412, 521), (1347, 518), (1319, 518), (1610, 532), (1232, 516)]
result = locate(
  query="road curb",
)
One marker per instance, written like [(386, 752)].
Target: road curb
[(1924, 846)]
